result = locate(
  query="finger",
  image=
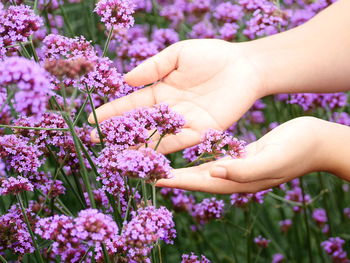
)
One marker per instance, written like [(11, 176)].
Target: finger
[(154, 68), (199, 179), (262, 166), (141, 98)]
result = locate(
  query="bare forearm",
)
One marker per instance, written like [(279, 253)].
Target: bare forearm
[(314, 57)]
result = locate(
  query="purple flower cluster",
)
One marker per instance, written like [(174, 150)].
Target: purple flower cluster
[(341, 118), (310, 101), (17, 23), (216, 143), (334, 247), (12, 185), (228, 12), (319, 216), (147, 226), (296, 195), (132, 128), (32, 84), (14, 233), (209, 208), (19, 154), (73, 236), (181, 200), (242, 199), (194, 259), (261, 241), (277, 258), (144, 163), (104, 77), (116, 13), (285, 225)]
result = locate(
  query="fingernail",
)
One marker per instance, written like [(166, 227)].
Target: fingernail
[(219, 171), (91, 119)]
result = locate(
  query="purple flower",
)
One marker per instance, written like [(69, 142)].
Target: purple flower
[(199, 7), (144, 163), (203, 29), (31, 81), (346, 212), (179, 198), (166, 120), (218, 142), (17, 23), (285, 225), (18, 154), (295, 195), (14, 233), (194, 259), (334, 247), (191, 153), (12, 185), (242, 199), (164, 37), (147, 226), (53, 188), (228, 12), (228, 31), (320, 216), (261, 241), (116, 13), (341, 118), (209, 208), (277, 258), (123, 132)]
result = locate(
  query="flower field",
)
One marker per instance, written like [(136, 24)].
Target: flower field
[(67, 198)]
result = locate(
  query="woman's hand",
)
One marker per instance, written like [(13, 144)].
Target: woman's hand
[(295, 148), (212, 83)]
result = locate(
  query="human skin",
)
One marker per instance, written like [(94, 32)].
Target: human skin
[(212, 83)]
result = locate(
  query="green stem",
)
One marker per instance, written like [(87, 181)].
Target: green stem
[(277, 197), (154, 195), (247, 219), (85, 255), (37, 251), (308, 237), (158, 143), (144, 191), (326, 203), (81, 110), (258, 255), (35, 55), (110, 34), (66, 21), (33, 128), (95, 118), (9, 97), (81, 160), (2, 259), (105, 254)]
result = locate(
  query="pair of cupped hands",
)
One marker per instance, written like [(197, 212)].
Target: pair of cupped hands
[(212, 83)]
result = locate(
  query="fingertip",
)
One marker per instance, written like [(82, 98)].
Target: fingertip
[(218, 171), (94, 136), (91, 119)]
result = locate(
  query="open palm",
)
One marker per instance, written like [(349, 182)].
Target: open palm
[(210, 82)]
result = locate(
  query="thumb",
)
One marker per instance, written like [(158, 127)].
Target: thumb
[(258, 167), (154, 68)]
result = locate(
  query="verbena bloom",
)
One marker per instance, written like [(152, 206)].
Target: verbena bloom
[(32, 83), (164, 37), (116, 13), (203, 29), (147, 226), (181, 200), (341, 118), (228, 31), (192, 153), (334, 247), (261, 241), (285, 225), (12, 185), (199, 7), (218, 142), (242, 199), (19, 154), (14, 233), (320, 216), (53, 188), (209, 208), (346, 212), (144, 163), (17, 23), (228, 12), (277, 258), (192, 258), (296, 195), (123, 132)]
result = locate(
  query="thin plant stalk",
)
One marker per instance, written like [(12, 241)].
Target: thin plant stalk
[(154, 195), (308, 236), (96, 120), (81, 110), (33, 128), (326, 203), (109, 38), (37, 251), (2, 259), (247, 219)]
